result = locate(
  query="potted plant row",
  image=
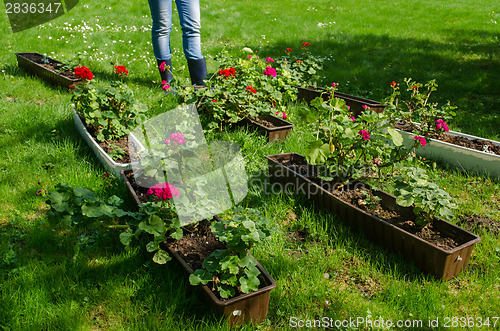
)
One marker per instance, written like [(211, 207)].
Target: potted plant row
[(105, 116), (356, 104), (175, 183), (246, 91), (416, 115), (213, 253), (55, 72), (347, 151)]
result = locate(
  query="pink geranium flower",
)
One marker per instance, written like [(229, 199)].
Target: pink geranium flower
[(163, 66), (365, 134), (164, 85), (283, 115), (421, 139), (270, 72), (269, 59), (176, 139), (163, 191), (441, 125)]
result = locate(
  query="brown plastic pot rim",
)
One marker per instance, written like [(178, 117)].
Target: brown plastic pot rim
[(23, 55), (468, 243), (130, 188), (283, 124)]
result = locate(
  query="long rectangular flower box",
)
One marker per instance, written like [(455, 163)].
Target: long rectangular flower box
[(443, 264), (242, 309), (465, 159), (355, 103), (103, 157), (277, 129), (47, 71)]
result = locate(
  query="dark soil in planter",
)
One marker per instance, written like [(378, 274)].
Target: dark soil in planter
[(476, 223), (197, 243), (52, 66), (476, 144), (400, 217), (262, 122), (109, 146), (363, 198), (140, 191)]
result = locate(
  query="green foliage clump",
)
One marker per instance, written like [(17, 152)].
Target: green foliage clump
[(234, 269), (111, 111)]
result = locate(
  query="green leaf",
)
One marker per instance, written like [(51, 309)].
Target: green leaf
[(126, 237), (93, 211), (177, 234), (316, 101), (58, 201), (230, 263), (226, 291), (200, 276), (397, 138), (338, 104), (250, 284), (115, 201), (84, 193), (405, 200), (152, 246), (317, 152), (247, 261), (161, 257), (153, 225)]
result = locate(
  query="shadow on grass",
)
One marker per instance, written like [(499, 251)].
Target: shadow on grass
[(104, 282)]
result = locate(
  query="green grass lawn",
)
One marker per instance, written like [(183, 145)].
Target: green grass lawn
[(322, 268)]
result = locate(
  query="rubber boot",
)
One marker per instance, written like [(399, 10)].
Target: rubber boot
[(198, 72), (165, 70)]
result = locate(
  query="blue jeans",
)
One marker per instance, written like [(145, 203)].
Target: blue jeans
[(189, 16)]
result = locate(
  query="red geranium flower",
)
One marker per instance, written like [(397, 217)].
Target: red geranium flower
[(306, 44), (83, 73), (227, 72), (121, 70), (251, 89)]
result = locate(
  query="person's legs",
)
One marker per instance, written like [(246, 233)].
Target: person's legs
[(190, 20), (161, 13)]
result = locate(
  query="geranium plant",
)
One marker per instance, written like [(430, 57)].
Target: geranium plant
[(158, 219), (413, 188), (302, 67), (112, 111), (76, 206), (416, 107), (247, 87), (233, 270), (351, 148)]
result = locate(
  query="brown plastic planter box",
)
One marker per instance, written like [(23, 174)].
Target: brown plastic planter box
[(39, 70), (243, 309), (443, 264), (356, 103), (280, 130)]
